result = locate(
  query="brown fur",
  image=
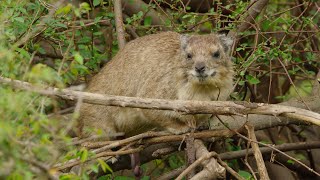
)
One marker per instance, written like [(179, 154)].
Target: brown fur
[(156, 66)]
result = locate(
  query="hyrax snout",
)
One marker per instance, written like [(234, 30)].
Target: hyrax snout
[(163, 66)]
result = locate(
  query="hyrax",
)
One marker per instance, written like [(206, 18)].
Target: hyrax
[(167, 65)]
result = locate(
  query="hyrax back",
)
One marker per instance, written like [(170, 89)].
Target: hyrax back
[(162, 66)]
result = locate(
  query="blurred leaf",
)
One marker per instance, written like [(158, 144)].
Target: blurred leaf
[(64, 10), (41, 73), (245, 174), (24, 53), (96, 2), (78, 57), (123, 178), (85, 6), (104, 166), (97, 19), (19, 19), (290, 161), (252, 80), (83, 155), (147, 21), (69, 176)]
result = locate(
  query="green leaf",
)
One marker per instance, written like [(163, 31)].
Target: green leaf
[(23, 10), (68, 177), (24, 53), (95, 168), (85, 6), (96, 2), (105, 177), (110, 15), (245, 174), (123, 178), (158, 161), (61, 25), (128, 20), (64, 10), (239, 49), (140, 14), (104, 166), (99, 33), (77, 12), (97, 19), (77, 57), (290, 161), (147, 21), (145, 178), (186, 16), (83, 155), (19, 19), (252, 79)]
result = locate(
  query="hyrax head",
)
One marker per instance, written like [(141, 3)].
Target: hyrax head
[(206, 58)]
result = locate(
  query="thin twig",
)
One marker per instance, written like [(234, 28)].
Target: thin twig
[(128, 140), (159, 137), (230, 170), (292, 83), (75, 162), (119, 23), (267, 150)]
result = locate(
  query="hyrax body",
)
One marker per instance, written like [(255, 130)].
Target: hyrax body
[(162, 66)]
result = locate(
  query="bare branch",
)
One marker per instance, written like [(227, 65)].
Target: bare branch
[(191, 153), (257, 154), (188, 107), (119, 23), (267, 150)]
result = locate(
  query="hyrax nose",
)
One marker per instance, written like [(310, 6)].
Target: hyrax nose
[(200, 68)]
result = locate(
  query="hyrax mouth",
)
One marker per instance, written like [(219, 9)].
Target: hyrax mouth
[(201, 76), (204, 76)]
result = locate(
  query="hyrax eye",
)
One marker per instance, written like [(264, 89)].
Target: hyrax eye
[(216, 54), (189, 56)]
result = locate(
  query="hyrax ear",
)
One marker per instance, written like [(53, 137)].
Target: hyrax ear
[(184, 39), (226, 42)]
